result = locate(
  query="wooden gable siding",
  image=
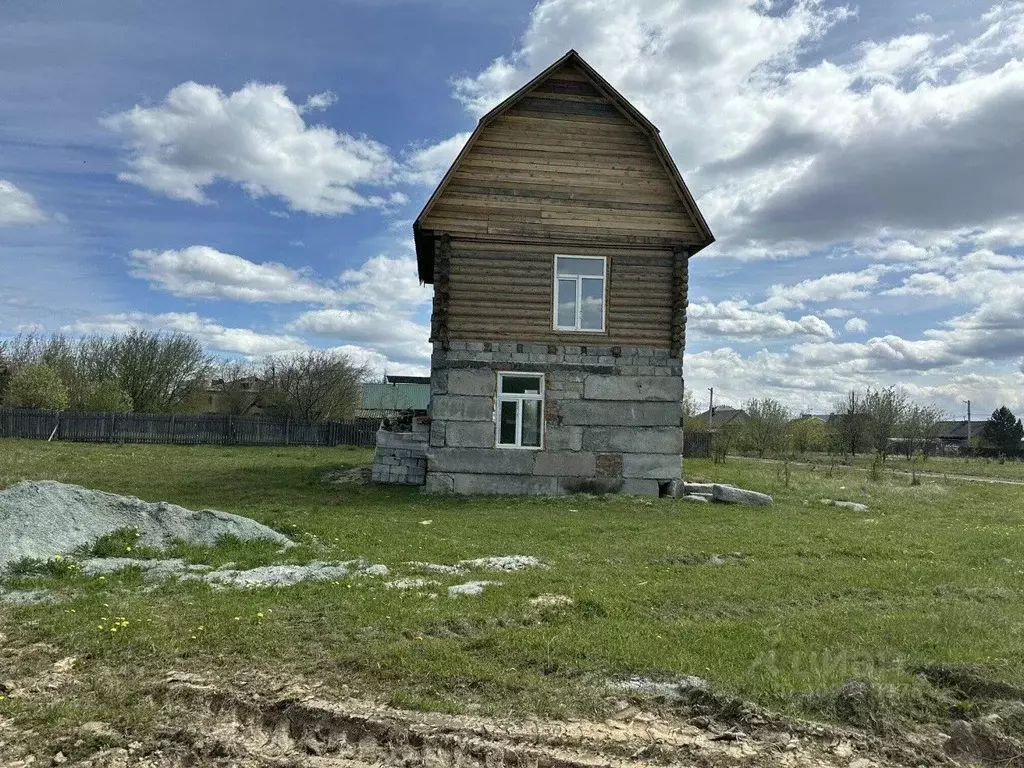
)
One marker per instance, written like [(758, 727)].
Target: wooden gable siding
[(502, 291), (564, 164)]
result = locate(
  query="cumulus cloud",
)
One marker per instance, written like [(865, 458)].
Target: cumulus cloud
[(737, 320), (837, 286), (427, 164), (385, 283), (399, 338), (203, 272), (256, 137), (213, 335), (18, 207), (856, 325)]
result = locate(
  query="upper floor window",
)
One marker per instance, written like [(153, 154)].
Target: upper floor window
[(579, 293)]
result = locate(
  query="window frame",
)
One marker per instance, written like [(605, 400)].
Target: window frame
[(579, 295), (518, 399)]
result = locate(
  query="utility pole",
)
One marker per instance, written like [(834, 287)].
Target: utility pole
[(968, 422), (711, 407)]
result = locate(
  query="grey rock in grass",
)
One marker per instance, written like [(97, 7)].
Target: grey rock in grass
[(153, 570), (674, 689), (730, 495), (26, 597), (45, 518), (504, 563), (277, 575), (854, 505), (471, 588), (697, 488), (700, 499)]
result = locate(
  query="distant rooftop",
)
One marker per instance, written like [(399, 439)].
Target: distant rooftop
[(408, 379)]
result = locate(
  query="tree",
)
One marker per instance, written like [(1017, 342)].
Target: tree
[(917, 427), (1003, 430), (886, 409), (314, 385), (808, 434), (849, 425), (160, 373), (105, 395), (36, 385), (689, 406), (764, 429)]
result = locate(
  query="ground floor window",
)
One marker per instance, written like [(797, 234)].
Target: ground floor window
[(520, 410)]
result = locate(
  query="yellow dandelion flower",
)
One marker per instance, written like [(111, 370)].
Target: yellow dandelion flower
[(259, 615)]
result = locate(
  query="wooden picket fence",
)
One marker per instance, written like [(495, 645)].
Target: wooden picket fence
[(696, 445), (182, 429)]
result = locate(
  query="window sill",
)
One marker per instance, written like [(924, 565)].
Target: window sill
[(579, 330), (519, 447)]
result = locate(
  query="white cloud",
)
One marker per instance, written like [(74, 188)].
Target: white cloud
[(426, 165), (856, 325), (837, 312), (399, 338), (213, 335), (18, 207), (386, 284), (255, 137), (836, 286), (737, 320), (203, 272)]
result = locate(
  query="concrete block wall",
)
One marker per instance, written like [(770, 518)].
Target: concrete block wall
[(611, 421), (400, 457)]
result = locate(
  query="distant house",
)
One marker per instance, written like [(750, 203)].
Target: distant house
[(723, 417), (394, 395), (954, 433), (238, 397)]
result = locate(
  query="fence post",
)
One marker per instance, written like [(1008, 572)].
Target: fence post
[(230, 436), (287, 428)]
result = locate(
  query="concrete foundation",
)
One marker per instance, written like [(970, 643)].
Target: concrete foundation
[(611, 420)]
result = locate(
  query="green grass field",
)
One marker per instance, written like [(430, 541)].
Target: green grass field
[(929, 574), (1006, 469)]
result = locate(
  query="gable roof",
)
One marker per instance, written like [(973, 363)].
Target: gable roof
[(424, 244), (723, 416)]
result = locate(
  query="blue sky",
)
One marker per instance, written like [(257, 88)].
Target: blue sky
[(248, 172)]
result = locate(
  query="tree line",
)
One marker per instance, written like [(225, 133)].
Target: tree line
[(880, 421), (155, 372)]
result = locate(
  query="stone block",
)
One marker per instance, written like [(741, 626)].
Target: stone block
[(437, 433), (654, 466), (596, 485), (696, 499), (497, 461), (438, 381), (638, 388), (562, 438), (564, 464), (620, 413), (514, 485), (470, 434), (480, 382), (634, 440), (690, 488), (730, 495), (439, 482), (634, 486), (462, 408)]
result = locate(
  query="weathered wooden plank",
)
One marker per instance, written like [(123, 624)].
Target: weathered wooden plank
[(567, 85), (460, 188), (540, 105)]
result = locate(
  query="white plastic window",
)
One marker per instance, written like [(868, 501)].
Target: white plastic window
[(520, 422), (579, 293)]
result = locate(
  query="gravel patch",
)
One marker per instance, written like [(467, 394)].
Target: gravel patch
[(507, 563), (27, 597), (471, 588), (45, 518)]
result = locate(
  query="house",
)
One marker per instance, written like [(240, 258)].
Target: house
[(557, 245), (395, 395), (953, 434), (722, 417), (237, 397)]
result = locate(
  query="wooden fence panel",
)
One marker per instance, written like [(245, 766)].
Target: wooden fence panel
[(181, 429), (696, 445)]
